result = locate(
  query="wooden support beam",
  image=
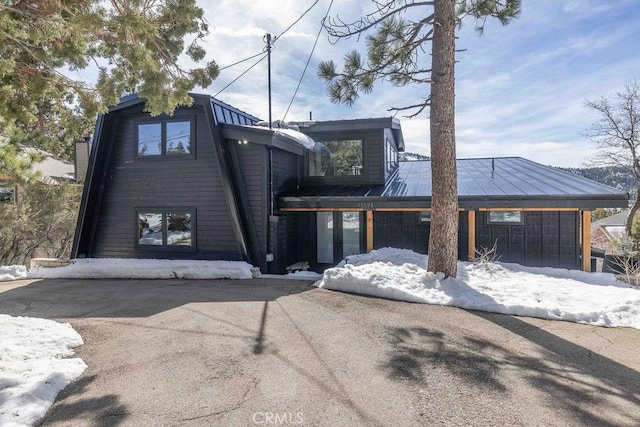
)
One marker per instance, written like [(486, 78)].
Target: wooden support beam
[(586, 240), (369, 231), (472, 235)]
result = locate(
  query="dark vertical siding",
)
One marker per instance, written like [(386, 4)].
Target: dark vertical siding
[(192, 182), (253, 168), (287, 170), (374, 157), (545, 239), (404, 230)]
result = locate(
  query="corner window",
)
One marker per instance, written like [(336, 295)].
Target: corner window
[(391, 155), (167, 138), (337, 158), (505, 218), (165, 228)]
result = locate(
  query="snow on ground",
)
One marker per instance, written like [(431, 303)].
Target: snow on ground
[(548, 293), (32, 368), (12, 272), (117, 268)]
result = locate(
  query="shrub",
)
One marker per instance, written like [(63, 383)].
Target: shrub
[(41, 225)]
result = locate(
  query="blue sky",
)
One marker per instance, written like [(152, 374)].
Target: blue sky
[(520, 89)]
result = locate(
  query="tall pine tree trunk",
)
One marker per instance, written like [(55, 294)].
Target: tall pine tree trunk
[(443, 240)]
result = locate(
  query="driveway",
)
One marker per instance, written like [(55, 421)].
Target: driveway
[(280, 352)]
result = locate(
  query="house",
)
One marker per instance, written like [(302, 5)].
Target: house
[(208, 183), (52, 170)]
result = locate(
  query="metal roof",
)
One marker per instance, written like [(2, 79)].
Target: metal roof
[(505, 182)]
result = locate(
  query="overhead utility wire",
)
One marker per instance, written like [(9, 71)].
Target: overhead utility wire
[(308, 60), (263, 52), (245, 72), (296, 21), (241, 61)]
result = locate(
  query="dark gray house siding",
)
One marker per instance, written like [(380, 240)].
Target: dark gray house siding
[(549, 239), (189, 182), (404, 230), (252, 159)]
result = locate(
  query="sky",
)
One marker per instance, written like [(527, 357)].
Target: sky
[(520, 89)]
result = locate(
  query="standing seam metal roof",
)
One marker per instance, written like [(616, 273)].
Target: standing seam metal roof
[(505, 176), (504, 182)]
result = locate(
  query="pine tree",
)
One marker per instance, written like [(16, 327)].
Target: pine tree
[(395, 53), (128, 45)]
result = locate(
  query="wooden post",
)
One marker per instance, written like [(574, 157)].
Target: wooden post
[(586, 240), (472, 235), (369, 231)]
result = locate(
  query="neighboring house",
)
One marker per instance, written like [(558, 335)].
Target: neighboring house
[(52, 170), (207, 183), (606, 232)]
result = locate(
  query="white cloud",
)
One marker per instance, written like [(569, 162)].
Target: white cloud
[(520, 89)]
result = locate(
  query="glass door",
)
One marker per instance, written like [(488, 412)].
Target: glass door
[(338, 235)]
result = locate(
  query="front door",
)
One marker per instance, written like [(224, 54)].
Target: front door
[(338, 235)]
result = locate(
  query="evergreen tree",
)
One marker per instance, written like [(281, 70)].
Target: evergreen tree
[(128, 45), (394, 54)]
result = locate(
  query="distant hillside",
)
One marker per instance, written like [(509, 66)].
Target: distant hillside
[(615, 176)]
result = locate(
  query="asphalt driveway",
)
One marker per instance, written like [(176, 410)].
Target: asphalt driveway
[(279, 352)]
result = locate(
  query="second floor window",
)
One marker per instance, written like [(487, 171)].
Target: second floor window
[(164, 138), (336, 158)]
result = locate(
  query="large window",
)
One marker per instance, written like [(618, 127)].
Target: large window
[(165, 228), (168, 138), (336, 158)]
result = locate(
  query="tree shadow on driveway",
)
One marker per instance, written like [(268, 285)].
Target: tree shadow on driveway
[(96, 298), (105, 411), (583, 386)]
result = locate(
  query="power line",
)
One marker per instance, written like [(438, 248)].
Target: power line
[(265, 53), (241, 61), (296, 21), (308, 60), (245, 72)]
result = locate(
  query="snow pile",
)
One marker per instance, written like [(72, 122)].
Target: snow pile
[(32, 371), (305, 275), (548, 293), (12, 272), (302, 139), (117, 268)]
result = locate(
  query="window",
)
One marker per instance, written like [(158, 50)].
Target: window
[(391, 155), (505, 217), (336, 158), (325, 237), (167, 138), (165, 228), (425, 217), (6, 195)]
